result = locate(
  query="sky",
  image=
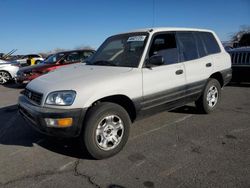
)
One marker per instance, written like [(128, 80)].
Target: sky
[(34, 26)]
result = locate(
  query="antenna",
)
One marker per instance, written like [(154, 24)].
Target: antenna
[(153, 17)]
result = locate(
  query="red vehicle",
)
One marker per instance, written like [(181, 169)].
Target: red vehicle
[(55, 61)]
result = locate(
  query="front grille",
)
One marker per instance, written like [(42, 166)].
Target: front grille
[(33, 96), (240, 58)]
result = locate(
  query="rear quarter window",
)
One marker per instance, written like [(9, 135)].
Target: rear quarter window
[(200, 45), (210, 42)]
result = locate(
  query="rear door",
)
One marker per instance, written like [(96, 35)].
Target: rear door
[(164, 84), (198, 65)]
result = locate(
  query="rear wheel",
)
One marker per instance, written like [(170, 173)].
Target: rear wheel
[(4, 77), (210, 97), (106, 130)]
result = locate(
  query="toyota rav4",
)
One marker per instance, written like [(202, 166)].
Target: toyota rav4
[(131, 74)]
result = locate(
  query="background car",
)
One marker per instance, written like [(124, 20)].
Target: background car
[(8, 71), (3, 61), (240, 57), (30, 59), (26, 74)]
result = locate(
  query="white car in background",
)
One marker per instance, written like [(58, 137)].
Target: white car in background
[(30, 59), (8, 71), (3, 61)]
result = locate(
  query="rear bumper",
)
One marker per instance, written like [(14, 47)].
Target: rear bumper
[(227, 76), (35, 116)]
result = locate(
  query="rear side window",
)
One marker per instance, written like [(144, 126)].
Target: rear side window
[(210, 42), (73, 57), (187, 45), (200, 45), (86, 54)]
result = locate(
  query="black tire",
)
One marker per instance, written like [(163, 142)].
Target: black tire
[(94, 118), (202, 103)]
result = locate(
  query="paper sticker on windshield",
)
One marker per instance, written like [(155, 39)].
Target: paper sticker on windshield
[(136, 38)]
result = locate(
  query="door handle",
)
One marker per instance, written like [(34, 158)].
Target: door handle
[(178, 72), (208, 64)]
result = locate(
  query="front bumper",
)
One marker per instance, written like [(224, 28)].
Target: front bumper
[(35, 116)]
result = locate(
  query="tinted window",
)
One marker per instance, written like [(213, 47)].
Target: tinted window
[(165, 46), (200, 45), (84, 54), (52, 59), (72, 57), (188, 46), (87, 54), (210, 43)]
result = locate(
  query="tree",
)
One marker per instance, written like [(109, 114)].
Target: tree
[(237, 35)]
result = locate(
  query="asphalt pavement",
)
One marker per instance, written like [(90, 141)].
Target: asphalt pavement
[(180, 148)]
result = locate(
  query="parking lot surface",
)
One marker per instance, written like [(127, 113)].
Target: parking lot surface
[(181, 148)]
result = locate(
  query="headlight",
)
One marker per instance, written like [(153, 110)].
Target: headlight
[(62, 98)]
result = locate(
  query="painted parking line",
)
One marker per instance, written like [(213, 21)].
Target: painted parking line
[(163, 126)]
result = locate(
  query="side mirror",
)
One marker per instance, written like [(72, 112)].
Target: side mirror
[(155, 60)]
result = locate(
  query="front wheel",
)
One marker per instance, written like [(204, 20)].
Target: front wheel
[(4, 77), (210, 96), (106, 130)]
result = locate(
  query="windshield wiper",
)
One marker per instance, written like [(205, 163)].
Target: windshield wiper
[(102, 62)]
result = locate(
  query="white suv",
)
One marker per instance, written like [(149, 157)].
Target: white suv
[(131, 74)]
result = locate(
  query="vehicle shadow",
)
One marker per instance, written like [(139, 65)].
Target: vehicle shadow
[(239, 84), (15, 131), (187, 109), (13, 85)]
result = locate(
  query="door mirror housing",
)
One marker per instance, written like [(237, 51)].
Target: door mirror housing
[(155, 60)]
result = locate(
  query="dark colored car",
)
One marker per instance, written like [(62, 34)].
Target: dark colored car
[(240, 56), (55, 61)]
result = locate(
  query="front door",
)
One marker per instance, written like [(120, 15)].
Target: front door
[(164, 84)]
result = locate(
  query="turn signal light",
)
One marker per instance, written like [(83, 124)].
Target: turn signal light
[(59, 122)]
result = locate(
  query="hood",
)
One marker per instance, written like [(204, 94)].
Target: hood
[(3, 61), (75, 76), (240, 49), (8, 63)]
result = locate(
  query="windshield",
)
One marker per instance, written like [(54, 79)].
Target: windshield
[(121, 50), (54, 58)]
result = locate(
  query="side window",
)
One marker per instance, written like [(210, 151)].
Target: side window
[(86, 54), (200, 45), (165, 46), (210, 42), (188, 46), (73, 57)]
